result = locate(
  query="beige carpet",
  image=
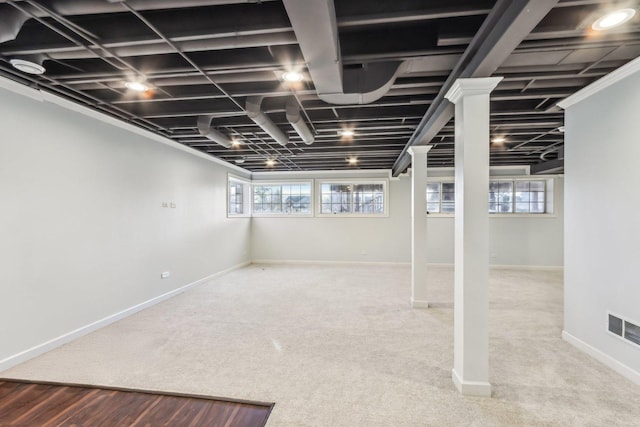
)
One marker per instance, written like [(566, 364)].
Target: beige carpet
[(340, 346)]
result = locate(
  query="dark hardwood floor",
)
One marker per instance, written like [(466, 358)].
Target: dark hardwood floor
[(28, 404)]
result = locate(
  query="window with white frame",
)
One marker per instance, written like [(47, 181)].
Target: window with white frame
[(441, 197), (282, 198), (238, 197), (506, 196), (356, 198), (530, 197), (501, 196)]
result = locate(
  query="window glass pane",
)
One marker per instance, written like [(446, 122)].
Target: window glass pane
[(433, 197), (236, 199), (537, 186), (336, 198), (366, 198), (282, 198), (448, 207), (500, 196), (433, 207)]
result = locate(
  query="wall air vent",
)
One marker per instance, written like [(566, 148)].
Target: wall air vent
[(615, 325), (623, 328), (632, 332)]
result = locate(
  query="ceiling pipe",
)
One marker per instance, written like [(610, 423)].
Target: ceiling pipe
[(11, 21), (260, 118), (297, 122), (205, 129), (314, 24)]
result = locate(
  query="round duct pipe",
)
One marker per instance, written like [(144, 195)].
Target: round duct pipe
[(205, 129), (297, 122), (260, 118)]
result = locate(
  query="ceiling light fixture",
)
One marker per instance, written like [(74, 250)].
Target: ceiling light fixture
[(346, 132), (136, 86), (352, 160), (613, 19), (292, 77), (271, 162), (27, 66), (498, 139), (240, 160), (235, 142)]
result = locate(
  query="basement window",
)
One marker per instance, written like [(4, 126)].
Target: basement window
[(441, 197), (279, 198), (238, 197), (506, 196), (353, 198)]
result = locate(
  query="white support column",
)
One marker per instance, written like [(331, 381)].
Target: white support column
[(419, 225), (471, 302)]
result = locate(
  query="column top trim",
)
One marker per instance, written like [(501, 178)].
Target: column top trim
[(471, 86), (419, 149)]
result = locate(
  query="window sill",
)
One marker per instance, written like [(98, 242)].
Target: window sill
[(498, 215), (284, 215)]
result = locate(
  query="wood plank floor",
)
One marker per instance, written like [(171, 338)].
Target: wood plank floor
[(31, 404)]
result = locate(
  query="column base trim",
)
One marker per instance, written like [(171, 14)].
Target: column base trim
[(418, 303), (471, 388)]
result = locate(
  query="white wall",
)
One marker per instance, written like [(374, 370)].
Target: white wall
[(602, 230), (83, 231), (520, 240)]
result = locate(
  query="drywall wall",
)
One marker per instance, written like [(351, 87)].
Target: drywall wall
[(602, 227), (515, 240), (83, 231)]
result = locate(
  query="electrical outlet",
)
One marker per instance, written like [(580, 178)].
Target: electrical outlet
[(165, 275)]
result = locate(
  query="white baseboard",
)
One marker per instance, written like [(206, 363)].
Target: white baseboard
[(39, 349), (416, 303), (526, 267), (315, 262), (471, 388), (624, 370)]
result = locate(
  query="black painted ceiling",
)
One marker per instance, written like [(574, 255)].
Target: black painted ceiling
[(204, 58)]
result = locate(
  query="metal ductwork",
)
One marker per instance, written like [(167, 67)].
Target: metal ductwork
[(12, 19), (205, 129), (314, 24), (256, 114), (297, 122)]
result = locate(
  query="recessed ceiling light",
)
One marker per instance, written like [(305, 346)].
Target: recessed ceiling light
[(352, 160), (235, 142), (346, 132), (271, 162), (292, 76), (613, 19), (27, 66), (137, 86), (240, 160), (498, 139)]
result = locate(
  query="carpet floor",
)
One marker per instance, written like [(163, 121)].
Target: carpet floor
[(341, 346)]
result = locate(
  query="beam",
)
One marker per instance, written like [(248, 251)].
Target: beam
[(509, 22)]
